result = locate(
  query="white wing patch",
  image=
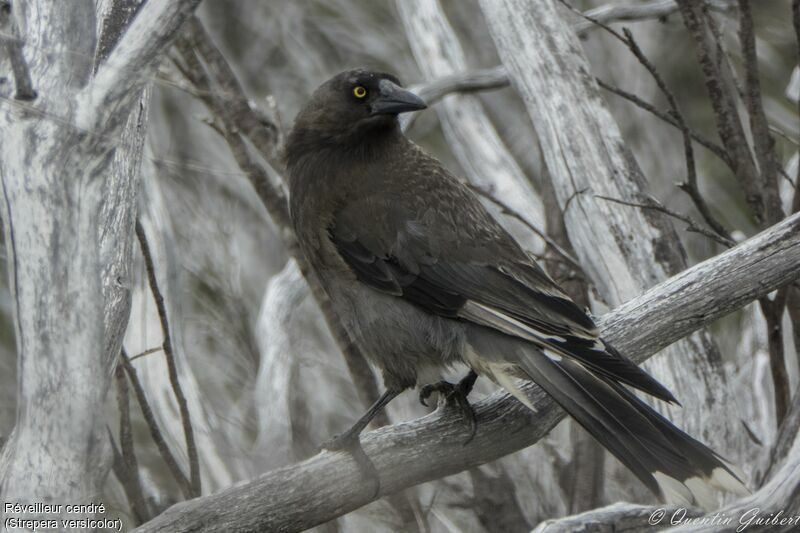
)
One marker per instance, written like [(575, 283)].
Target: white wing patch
[(486, 316)]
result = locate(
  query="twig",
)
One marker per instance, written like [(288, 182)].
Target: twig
[(507, 210), (129, 469), (690, 185), (692, 225), (657, 9), (729, 127), (22, 75), (787, 432), (147, 352), (155, 432), (710, 145), (773, 315), (759, 126), (169, 356), (724, 55)]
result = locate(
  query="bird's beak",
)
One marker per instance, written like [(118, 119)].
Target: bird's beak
[(394, 99)]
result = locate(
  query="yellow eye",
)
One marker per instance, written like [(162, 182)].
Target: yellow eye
[(359, 91)]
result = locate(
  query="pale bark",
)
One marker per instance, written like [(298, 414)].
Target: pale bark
[(69, 165), (329, 484), (624, 250), (483, 155)]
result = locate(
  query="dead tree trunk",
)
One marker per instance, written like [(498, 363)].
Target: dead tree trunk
[(69, 160)]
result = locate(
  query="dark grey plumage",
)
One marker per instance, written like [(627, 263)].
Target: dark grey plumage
[(423, 277)]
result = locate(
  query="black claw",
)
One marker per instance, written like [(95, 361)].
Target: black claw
[(455, 396), (443, 387)]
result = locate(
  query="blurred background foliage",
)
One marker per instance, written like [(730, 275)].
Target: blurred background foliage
[(265, 381)]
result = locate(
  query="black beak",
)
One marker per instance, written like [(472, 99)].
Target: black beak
[(394, 99)]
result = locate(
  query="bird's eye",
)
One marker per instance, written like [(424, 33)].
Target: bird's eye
[(359, 91)]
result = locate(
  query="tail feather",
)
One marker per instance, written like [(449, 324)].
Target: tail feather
[(716, 470), (664, 458)]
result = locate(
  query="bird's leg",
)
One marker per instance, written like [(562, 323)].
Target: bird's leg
[(350, 438), (349, 441), (455, 395)]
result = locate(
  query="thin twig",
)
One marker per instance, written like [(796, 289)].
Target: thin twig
[(169, 356), (724, 55), (723, 102), (787, 433), (13, 46), (773, 316), (710, 145), (759, 126), (146, 352), (129, 474), (690, 185), (692, 225), (155, 432), (507, 210)]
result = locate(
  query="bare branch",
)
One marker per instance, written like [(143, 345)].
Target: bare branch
[(155, 432), (169, 356), (128, 470), (690, 185), (759, 126), (623, 516), (330, 484), (103, 103), (508, 210), (657, 9), (652, 203), (773, 315), (723, 102)]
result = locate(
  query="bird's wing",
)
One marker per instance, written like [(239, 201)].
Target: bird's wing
[(461, 264)]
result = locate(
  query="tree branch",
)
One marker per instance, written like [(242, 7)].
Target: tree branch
[(723, 102), (652, 203), (759, 126), (126, 468), (623, 516), (103, 103), (329, 484), (169, 356), (657, 9), (155, 431)]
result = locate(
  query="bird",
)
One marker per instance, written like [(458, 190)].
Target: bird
[(424, 278)]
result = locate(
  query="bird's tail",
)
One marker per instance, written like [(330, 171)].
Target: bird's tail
[(667, 460)]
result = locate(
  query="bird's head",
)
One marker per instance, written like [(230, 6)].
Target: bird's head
[(351, 108)]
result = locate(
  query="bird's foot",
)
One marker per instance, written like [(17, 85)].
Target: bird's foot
[(455, 396), (350, 442)]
